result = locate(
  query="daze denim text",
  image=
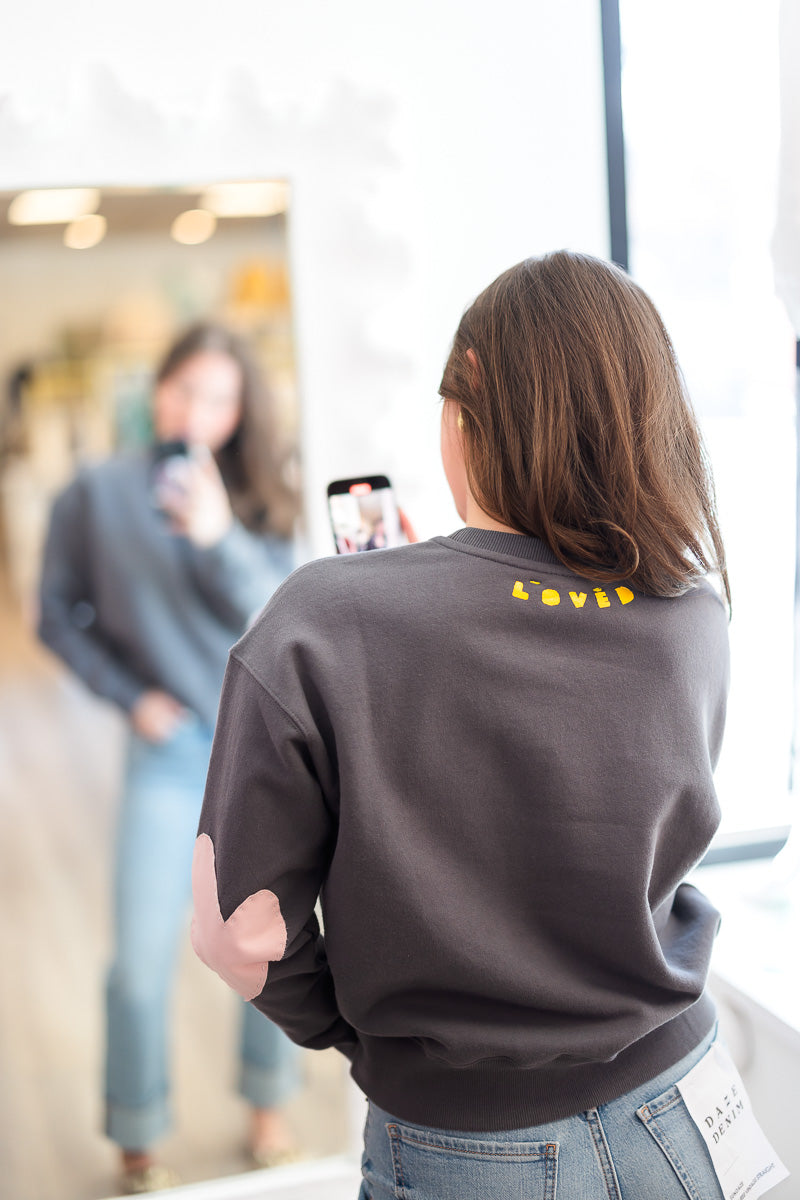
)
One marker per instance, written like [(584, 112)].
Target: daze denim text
[(643, 1145), (162, 795)]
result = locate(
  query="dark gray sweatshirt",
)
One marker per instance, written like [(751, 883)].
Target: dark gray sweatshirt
[(129, 606), (496, 775)]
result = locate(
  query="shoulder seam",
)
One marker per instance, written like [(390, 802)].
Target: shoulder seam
[(286, 711)]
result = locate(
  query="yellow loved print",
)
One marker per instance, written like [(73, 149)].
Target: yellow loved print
[(551, 597)]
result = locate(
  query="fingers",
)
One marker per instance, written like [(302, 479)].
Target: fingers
[(407, 527), (203, 460), (157, 715)]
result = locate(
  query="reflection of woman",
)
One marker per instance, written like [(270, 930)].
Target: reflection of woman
[(151, 571), (377, 538), (492, 753)]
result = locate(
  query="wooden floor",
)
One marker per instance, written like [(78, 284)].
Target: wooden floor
[(59, 761)]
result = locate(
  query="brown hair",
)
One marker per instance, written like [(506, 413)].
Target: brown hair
[(578, 428), (252, 462)]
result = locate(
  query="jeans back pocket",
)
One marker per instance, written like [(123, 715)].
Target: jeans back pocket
[(668, 1121), (438, 1166)]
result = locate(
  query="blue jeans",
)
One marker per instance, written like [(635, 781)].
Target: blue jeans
[(613, 1152), (162, 795)]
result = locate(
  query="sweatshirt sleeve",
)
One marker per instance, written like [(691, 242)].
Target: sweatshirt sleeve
[(238, 575), (66, 615), (265, 841)]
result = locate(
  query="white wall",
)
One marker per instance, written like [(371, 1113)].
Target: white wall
[(430, 145)]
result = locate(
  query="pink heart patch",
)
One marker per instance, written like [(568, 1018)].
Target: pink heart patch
[(241, 948)]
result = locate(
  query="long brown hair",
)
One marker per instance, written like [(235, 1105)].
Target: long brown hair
[(578, 428), (252, 462)]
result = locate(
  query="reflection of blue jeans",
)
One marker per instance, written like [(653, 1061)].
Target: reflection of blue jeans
[(158, 822), (604, 1154)]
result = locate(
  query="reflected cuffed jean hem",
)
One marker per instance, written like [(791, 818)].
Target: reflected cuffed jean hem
[(269, 1087), (137, 1128)]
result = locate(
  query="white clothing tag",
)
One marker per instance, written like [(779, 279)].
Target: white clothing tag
[(745, 1163)]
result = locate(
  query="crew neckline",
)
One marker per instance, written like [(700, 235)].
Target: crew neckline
[(515, 545)]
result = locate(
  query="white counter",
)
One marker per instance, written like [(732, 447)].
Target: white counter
[(756, 983)]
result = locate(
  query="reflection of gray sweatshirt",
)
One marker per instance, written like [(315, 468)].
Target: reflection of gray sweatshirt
[(498, 775), (130, 606)]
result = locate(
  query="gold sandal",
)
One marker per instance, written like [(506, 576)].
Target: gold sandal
[(267, 1156), (155, 1177)]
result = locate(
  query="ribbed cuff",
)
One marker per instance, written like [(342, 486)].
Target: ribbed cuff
[(269, 1087), (137, 1128)]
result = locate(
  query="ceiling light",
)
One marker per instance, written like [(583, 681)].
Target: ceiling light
[(52, 206), (262, 198), (193, 226), (85, 232)]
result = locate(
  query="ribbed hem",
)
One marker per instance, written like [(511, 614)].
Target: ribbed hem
[(514, 545), (397, 1075)]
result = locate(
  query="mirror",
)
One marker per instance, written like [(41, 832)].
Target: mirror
[(94, 294)]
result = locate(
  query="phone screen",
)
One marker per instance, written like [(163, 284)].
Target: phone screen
[(170, 462), (364, 514)]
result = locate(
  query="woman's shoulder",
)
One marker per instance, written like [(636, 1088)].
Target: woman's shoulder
[(706, 604), (347, 576), (333, 592), (116, 472), (98, 486), (320, 615)]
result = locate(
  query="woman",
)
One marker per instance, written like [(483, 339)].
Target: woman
[(154, 565), (490, 754)]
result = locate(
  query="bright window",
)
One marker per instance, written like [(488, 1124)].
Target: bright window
[(701, 115)]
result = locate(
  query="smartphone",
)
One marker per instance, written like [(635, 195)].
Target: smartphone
[(168, 473), (364, 514)]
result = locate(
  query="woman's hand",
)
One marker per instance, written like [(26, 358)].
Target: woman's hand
[(199, 509), (156, 716)]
